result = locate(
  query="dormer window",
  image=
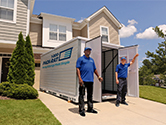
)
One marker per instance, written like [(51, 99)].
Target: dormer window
[(53, 32), (62, 33), (7, 10), (57, 32)]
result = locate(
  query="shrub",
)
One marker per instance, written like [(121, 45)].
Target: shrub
[(24, 91), (7, 89), (18, 91)]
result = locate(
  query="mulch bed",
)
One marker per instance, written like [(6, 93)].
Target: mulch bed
[(4, 98)]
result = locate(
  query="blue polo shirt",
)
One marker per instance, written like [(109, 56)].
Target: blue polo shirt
[(87, 68), (122, 70)]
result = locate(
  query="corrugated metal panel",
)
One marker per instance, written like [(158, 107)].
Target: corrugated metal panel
[(133, 78), (95, 44), (9, 31), (61, 78)]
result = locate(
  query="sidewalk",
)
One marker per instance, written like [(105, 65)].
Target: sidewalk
[(139, 112)]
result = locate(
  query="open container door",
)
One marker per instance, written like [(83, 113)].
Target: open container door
[(133, 78), (96, 46)]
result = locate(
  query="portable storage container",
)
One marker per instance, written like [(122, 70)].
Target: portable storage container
[(58, 69)]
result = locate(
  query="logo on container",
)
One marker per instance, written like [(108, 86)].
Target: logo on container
[(66, 54), (63, 55)]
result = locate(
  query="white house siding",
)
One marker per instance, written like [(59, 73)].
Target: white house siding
[(10, 31)]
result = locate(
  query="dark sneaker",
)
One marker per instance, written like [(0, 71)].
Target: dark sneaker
[(82, 113), (92, 111), (117, 104), (125, 103)]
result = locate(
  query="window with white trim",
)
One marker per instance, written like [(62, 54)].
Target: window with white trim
[(62, 33), (7, 9), (57, 33), (53, 32), (104, 34)]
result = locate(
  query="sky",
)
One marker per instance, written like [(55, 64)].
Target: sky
[(138, 17)]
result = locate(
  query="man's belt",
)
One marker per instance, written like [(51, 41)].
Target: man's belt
[(122, 78)]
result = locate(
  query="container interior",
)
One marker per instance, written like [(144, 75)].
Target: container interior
[(109, 62)]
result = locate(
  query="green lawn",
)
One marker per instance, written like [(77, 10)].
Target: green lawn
[(157, 94), (25, 112)]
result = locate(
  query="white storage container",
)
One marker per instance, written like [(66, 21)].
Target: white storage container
[(58, 69)]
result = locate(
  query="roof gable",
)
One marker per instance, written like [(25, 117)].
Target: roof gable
[(104, 9), (108, 13), (56, 17)]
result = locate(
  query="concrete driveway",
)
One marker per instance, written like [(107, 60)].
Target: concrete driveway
[(139, 112)]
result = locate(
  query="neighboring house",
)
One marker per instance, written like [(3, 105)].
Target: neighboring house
[(48, 31), (159, 82), (15, 17)]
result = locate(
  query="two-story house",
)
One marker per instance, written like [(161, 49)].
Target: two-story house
[(48, 31)]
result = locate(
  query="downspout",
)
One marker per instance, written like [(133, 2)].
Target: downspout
[(28, 17)]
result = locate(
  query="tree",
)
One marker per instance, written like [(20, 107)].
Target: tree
[(146, 76), (17, 72), (158, 59), (156, 64), (159, 32), (30, 63), (147, 63)]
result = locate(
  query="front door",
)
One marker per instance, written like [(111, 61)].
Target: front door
[(5, 69), (133, 78), (96, 46)]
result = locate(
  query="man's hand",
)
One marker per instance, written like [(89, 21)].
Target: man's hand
[(134, 59), (100, 79), (137, 55), (117, 81), (81, 82)]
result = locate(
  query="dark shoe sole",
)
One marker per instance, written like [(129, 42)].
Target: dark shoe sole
[(117, 105), (124, 103), (95, 112), (82, 114)]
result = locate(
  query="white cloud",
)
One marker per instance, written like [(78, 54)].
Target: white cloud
[(132, 22), (163, 27), (149, 33), (128, 30), (142, 59)]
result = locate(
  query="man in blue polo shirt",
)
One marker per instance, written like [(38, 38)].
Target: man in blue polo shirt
[(121, 75), (85, 70)]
